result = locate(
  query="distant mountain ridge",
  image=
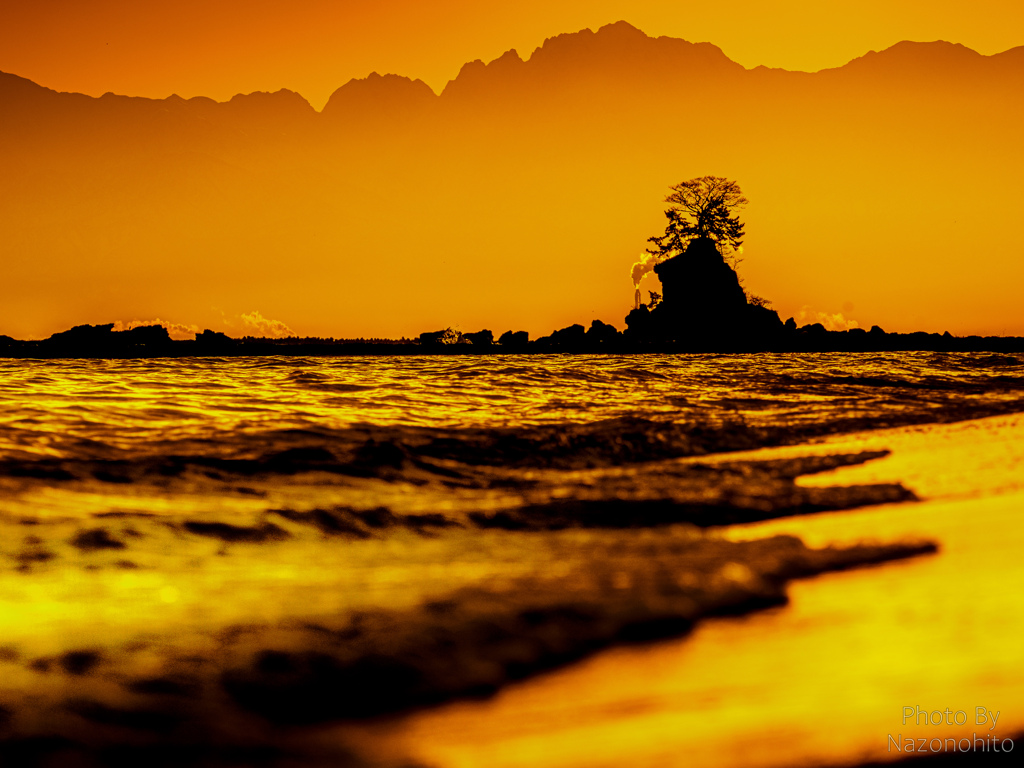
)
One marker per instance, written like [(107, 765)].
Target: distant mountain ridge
[(618, 49)]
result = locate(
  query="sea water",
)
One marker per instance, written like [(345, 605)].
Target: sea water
[(77, 409), (162, 521)]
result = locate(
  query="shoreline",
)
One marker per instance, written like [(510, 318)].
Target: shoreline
[(850, 648), (999, 345), (152, 342)]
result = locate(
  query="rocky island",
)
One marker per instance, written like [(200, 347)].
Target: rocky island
[(703, 308)]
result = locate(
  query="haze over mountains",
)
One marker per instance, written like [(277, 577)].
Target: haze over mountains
[(887, 190)]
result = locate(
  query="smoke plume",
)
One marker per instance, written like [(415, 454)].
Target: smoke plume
[(258, 325), (831, 321), (643, 266)]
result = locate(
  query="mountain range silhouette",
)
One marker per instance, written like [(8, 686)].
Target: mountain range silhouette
[(615, 55), (519, 195)]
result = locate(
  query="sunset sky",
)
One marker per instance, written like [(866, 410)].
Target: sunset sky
[(521, 200), (218, 48)]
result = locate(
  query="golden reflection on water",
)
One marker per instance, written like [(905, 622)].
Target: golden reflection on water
[(187, 594), (65, 407), (821, 681)]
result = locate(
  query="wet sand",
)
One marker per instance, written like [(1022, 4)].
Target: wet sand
[(820, 681)]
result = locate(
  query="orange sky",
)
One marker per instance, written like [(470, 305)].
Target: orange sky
[(218, 48), (874, 198)]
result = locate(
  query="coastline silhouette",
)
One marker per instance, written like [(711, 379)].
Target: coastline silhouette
[(703, 308), (641, 336)]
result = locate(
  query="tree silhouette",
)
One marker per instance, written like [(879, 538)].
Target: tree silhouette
[(701, 207)]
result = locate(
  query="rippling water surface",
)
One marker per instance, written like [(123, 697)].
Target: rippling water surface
[(73, 408)]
